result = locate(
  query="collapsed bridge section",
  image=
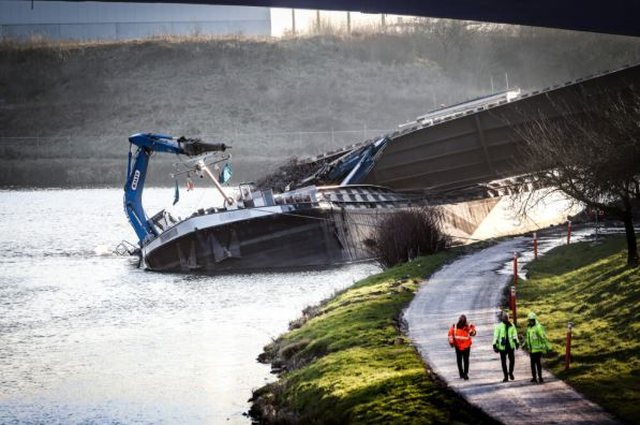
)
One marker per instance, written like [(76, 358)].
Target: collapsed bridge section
[(465, 146), (481, 143)]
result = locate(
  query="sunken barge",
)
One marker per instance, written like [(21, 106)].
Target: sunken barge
[(310, 226)]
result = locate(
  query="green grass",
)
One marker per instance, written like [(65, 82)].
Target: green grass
[(348, 361), (591, 286)]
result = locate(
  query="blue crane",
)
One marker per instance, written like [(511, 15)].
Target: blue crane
[(147, 144)]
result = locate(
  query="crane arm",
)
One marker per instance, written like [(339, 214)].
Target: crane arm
[(136, 174)]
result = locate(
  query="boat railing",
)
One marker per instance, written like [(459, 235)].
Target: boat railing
[(163, 220), (305, 195)]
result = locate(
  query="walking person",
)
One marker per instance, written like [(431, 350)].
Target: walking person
[(460, 335), (505, 342), (537, 343)]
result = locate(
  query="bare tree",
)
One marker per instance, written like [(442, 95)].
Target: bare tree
[(589, 149)]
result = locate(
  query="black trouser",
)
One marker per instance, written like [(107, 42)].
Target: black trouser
[(536, 364), (503, 359), (462, 356)]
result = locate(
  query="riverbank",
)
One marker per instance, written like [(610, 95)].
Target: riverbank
[(348, 360), (590, 285)]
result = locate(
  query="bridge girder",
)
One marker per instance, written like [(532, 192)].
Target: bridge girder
[(482, 145)]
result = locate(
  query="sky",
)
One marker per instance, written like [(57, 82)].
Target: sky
[(281, 20)]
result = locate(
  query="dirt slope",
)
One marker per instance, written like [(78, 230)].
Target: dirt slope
[(70, 107)]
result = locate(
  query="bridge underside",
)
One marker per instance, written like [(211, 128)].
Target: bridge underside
[(480, 145), (613, 16)]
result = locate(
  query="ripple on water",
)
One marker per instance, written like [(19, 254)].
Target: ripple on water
[(87, 338)]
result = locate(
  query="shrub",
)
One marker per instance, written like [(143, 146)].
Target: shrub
[(406, 234)]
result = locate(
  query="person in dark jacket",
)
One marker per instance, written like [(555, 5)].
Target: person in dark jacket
[(460, 338), (505, 342)]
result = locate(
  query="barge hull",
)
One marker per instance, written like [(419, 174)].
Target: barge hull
[(317, 237)]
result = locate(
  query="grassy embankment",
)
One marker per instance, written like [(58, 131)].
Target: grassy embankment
[(591, 286), (347, 360)]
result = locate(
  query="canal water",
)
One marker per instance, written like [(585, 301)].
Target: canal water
[(86, 337)]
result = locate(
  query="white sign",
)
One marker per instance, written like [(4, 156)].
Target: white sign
[(134, 181)]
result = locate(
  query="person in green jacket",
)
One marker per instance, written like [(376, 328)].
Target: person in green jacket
[(505, 342), (537, 343)]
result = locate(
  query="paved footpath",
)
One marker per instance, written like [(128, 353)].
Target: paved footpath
[(473, 285)]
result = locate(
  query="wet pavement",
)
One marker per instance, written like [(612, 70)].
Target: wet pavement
[(473, 285)]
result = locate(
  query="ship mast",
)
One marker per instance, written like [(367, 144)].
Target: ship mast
[(201, 166)]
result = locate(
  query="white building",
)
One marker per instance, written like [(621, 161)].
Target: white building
[(95, 20)]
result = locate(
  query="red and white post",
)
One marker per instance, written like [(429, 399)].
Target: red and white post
[(515, 268), (535, 245), (567, 353), (568, 232), (514, 307)]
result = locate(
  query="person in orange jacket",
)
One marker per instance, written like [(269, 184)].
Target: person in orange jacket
[(460, 338)]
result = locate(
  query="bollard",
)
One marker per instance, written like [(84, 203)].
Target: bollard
[(568, 232), (535, 246), (567, 353), (514, 307), (515, 268)]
